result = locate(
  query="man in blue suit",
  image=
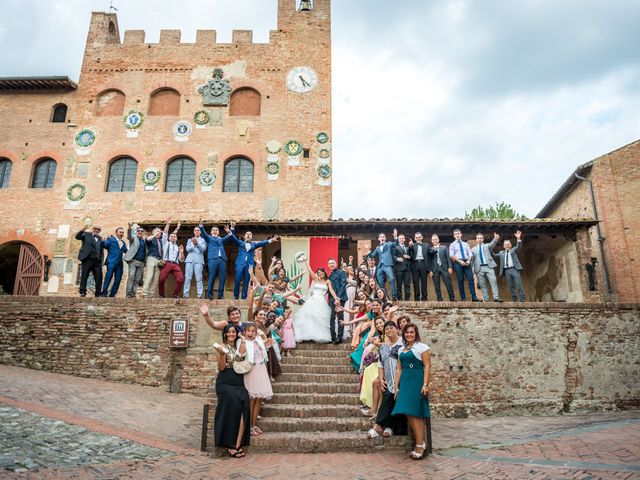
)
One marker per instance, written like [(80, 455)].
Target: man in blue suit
[(116, 248), (246, 250), (385, 262), (216, 259)]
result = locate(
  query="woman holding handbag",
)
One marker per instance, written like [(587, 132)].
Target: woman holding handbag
[(232, 411), (256, 380)]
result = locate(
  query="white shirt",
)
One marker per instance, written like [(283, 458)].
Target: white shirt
[(419, 255), (508, 262)]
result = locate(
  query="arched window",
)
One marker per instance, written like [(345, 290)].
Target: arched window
[(59, 113), (181, 175), (44, 173), (165, 101), (238, 175), (110, 103), (5, 172), (245, 102), (122, 175)]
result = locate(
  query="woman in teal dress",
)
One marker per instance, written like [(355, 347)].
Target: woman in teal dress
[(356, 356), (412, 385)]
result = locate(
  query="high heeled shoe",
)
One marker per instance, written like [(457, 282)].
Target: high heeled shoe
[(417, 456)]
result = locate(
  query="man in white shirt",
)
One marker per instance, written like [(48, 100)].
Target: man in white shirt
[(173, 254), (194, 263), (419, 253)]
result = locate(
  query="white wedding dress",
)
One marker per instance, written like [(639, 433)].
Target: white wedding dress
[(311, 322)]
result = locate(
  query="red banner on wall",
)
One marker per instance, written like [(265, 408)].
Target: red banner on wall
[(321, 250)]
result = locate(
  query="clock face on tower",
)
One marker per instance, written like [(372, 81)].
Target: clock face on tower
[(302, 79)]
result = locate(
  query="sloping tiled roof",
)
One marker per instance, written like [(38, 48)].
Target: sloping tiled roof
[(36, 83), (572, 181), (564, 189)]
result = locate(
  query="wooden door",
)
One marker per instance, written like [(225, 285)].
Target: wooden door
[(29, 272)]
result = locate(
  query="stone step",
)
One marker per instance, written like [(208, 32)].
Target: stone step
[(319, 377), (310, 411), (318, 369), (308, 360), (321, 353), (319, 442), (283, 387), (323, 346), (315, 399), (317, 424)]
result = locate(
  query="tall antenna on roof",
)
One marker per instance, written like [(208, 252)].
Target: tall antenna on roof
[(112, 8)]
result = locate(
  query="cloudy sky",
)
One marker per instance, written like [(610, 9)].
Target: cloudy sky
[(439, 106)]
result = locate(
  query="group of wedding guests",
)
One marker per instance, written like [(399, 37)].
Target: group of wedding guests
[(154, 258), (400, 261)]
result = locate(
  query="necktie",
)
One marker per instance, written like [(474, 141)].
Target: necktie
[(462, 255), (507, 259), (159, 247), (438, 257), (481, 255)]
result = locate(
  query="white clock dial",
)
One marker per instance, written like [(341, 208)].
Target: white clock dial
[(302, 79)]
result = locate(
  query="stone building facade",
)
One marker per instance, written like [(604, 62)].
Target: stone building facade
[(607, 189), (184, 130)]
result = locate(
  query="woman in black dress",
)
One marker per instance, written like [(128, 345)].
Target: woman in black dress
[(232, 412)]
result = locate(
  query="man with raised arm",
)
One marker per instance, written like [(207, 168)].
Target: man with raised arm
[(245, 259), (385, 262), (90, 256), (194, 263), (216, 258), (116, 248), (173, 254), (510, 267)]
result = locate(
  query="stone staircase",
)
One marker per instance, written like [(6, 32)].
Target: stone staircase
[(315, 407)]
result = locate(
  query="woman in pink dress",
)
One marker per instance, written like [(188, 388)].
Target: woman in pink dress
[(257, 380), (288, 333)]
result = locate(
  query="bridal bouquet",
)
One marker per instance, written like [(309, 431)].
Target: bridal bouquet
[(301, 257)]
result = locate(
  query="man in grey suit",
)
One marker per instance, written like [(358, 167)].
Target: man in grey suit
[(510, 267), (483, 266), (440, 267), (136, 258)]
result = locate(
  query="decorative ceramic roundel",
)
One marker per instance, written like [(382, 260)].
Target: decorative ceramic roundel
[(201, 117), (76, 192), (324, 171), (272, 168), (293, 148), (207, 178), (133, 120), (302, 79), (274, 147), (85, 138), (324, 153), (322, 137), (182, 129), (151, 176)]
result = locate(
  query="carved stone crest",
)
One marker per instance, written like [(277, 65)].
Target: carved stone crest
[(215, 92)]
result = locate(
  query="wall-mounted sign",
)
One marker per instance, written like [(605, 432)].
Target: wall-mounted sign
[(179, 337)]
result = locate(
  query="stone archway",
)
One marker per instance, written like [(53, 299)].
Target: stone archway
[(21, 268)]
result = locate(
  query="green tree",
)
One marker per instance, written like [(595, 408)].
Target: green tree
[(499, 211)]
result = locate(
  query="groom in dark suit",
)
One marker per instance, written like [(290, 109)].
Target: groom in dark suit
[(338, 279)]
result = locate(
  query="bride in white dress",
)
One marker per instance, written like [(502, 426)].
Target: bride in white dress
[(311, 322)]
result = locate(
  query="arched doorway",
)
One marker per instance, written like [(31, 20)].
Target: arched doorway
[(21, 268)]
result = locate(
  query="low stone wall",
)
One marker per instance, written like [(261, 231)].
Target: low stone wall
[(487, 360)]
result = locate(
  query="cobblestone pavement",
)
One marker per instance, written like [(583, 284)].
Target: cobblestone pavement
[(585, 447), (30, 441)]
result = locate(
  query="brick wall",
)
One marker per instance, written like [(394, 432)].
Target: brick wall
[(616, 183), (525, 358), (138, 69)]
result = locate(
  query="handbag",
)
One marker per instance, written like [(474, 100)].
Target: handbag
[(242, 367)]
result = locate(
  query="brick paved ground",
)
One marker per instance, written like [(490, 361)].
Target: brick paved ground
[(596, 446)]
